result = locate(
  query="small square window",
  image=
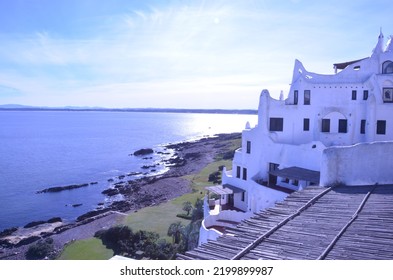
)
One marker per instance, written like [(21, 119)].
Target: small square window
[(306, 124), (273, 166), (244, 173), (354, 95), (381, 127), (276, 124), (388, 95), (365, 94), (325, 125), (363, 127), (248, 147), (295, 97), (307, 97), (238, 169), (342, 126)]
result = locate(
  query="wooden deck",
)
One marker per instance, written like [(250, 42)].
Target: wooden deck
[(316, 223)]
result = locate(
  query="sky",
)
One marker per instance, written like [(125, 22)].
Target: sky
[(175, 54)]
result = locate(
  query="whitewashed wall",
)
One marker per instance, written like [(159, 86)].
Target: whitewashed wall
[(361, 164)]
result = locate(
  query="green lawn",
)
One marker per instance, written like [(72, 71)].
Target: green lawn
[(156, 218), (87, 249)]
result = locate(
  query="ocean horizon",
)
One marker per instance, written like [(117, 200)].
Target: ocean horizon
[(44, 149)]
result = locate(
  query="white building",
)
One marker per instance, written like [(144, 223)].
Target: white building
[(331, 129)]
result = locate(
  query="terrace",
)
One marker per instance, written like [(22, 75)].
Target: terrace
[(344, 222)]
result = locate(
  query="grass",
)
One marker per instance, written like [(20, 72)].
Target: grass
[(154, 218), (87, 249)]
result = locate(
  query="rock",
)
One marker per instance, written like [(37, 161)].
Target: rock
[(121, 205), (192, 156), (28, 240), (143, 152), (64, 188), (91, 214), (134, 173), (77, 205), (35, 223), (110, 192), (176, 162), (148, 166), (8, 231), (93, 183), (54, 220)]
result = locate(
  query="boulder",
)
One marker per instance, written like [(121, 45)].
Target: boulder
[(143, 152), (110, 192)]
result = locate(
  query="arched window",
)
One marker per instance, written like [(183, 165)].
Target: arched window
[(387, 67)]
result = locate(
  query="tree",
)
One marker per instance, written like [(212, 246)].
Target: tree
[(175, 230), (117, 238), (123, 241), (197, 213), (187, 206)]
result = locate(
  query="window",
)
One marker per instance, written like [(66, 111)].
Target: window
[(243, 196), (248, 147), (381, 127), (325, 125), (285, 180), (276, 124), (295, 97), (306, 124), (363, 127), (387, 67), (365, 94), (273, 166), (354, 93), (342, 126), (387, 95), (295, 182), (244, 173), (238, 172), (307, 97)]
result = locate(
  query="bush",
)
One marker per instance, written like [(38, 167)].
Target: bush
[(42, 249), (215, 177)]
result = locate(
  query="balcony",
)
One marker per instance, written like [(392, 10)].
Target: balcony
[(219, 213)]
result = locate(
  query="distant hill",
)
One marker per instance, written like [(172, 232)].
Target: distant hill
[(14, 106), (17, 107)]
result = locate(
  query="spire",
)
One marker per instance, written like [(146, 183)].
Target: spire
[(379, 47)]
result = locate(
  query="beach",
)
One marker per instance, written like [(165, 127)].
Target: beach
[(188, 158)]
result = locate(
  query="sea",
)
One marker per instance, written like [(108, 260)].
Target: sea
[(44, 149)]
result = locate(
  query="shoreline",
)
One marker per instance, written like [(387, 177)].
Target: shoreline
[(189, 157)]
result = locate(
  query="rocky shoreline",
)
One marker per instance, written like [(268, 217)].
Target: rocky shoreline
[(188, 158)]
